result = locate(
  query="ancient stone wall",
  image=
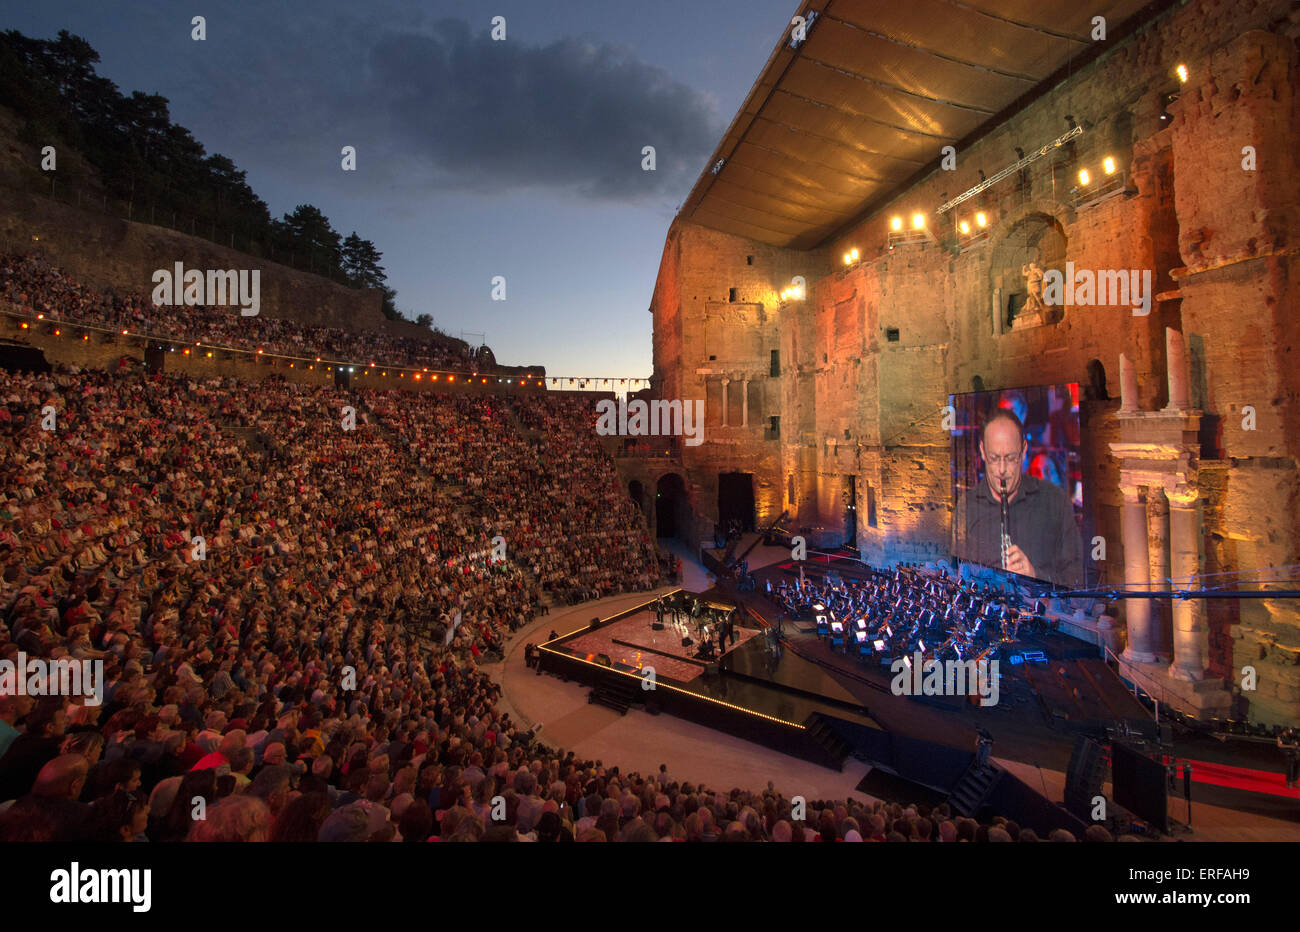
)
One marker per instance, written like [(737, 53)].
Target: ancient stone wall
[(871, 354), (112, 254)]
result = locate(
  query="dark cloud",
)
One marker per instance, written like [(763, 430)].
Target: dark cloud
[(502, 115)]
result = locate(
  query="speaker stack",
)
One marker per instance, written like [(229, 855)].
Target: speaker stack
[(1084, 777)]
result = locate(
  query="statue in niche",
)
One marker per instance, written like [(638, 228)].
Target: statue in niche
[(1033, 312)]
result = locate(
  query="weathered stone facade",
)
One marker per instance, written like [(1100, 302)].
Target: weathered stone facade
[(866, 361)]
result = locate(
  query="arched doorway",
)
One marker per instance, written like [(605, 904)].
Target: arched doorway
[(1095, 387), (670, 505), (736, 500)]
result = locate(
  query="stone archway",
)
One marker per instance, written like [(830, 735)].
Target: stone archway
[(1034, 235)]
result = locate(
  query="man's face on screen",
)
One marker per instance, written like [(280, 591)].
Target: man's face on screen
[(1003, 451)]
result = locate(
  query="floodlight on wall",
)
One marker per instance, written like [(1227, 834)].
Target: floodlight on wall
[(916, 233), (1095, 188), (1181, 71), (981, 220)]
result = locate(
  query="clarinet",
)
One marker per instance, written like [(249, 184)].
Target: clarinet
[(1006, 540)]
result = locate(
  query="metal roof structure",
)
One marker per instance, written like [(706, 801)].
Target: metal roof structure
[(857, 111)]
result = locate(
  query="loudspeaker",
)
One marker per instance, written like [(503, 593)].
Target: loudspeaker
[(656, 626), (595, 623), (1084, 777), (687, 642)]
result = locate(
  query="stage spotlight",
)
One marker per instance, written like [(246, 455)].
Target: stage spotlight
[(896, 224), (853, 253), (1181, 71), (981, 220), (1084, 176), (918, 221), (964, 227), (1108, 164)]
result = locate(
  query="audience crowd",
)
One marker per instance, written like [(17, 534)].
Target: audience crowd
[(294, 618), (34, 287)]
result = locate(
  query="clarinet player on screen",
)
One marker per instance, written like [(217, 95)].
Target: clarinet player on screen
[(1042, 538)]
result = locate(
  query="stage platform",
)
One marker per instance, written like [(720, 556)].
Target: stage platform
[(1043, 706), (633, 641), (756, 689)]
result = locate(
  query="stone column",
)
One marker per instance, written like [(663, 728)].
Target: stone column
[(744, 403), (1128, 386), (1137, 575), (1189, 614), (725, 382), (1158, 544), (1176, 364)]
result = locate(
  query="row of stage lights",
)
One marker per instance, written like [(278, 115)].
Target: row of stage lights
[(1108, 167), (974, 226), (418, 376)]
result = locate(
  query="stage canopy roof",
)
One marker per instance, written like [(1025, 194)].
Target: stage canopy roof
[(860, 110)]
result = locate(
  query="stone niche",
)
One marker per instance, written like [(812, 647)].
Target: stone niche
[(1036, 240)]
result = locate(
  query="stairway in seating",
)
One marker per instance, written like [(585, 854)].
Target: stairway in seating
[(833, 748), (528, 433), (973, 788), (253, 438), (619, 695)]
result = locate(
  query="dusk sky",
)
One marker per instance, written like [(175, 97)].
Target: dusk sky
[(475, 158)]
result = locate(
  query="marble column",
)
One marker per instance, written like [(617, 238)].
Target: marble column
[(1137, 575), (1190, 630), (725, 383)]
